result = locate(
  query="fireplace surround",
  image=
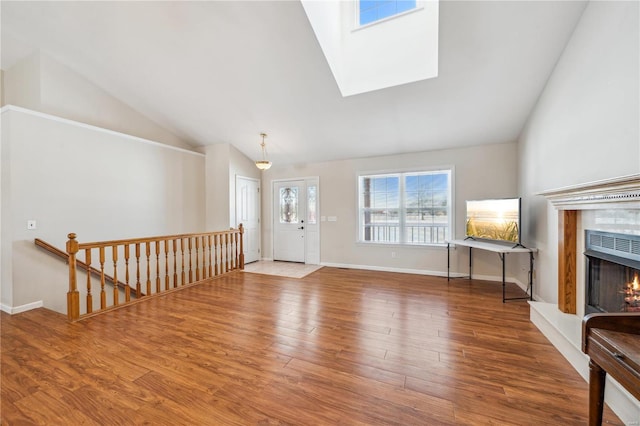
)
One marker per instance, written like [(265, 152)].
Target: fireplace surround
[(607, 206), (612, 271)]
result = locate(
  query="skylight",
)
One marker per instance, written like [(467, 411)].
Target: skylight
[(372, 11), (372, 45)]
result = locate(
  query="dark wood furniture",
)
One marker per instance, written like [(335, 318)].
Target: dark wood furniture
[(612, 342)]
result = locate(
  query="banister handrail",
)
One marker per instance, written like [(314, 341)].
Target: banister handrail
[(210, 253), (65, 256), (98, 244), (51, 248)]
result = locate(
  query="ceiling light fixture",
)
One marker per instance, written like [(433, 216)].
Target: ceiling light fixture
[(263, 164)]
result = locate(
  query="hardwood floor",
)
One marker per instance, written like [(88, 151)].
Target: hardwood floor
[(337, 347)]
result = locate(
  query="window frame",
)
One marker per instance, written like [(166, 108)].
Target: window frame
[(403, 207)]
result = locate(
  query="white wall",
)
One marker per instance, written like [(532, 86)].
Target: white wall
[(217, 186), (479, 172), (585, 125), (40, 83), (1, 87), (22, 83), (102, 185), (223, 163), (128, 187)]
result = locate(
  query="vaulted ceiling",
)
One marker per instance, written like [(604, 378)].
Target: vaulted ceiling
[(222, 72)]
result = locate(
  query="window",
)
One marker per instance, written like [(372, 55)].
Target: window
[(405, 208), (312, 204), (371, 11)]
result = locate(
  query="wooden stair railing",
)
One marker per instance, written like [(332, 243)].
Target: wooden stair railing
[(65, 256), (168, 262)]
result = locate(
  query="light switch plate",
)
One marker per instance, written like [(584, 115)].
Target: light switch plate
[(31, 224)]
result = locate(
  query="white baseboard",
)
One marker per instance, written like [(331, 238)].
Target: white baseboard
[(564, 331), (23, 308), (385, 269), (425, 272)]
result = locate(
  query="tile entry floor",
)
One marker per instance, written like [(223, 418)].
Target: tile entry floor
[(283, 269)]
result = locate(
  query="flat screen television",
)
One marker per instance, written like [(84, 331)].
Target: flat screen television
[(494, 219)]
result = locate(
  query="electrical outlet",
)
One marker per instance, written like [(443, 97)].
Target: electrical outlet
[(393, 254), (31, 224)]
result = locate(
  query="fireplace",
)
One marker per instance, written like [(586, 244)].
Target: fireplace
[(612, 272), (611, 206)]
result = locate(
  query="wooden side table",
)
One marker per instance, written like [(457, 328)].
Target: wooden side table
[(612, 342)]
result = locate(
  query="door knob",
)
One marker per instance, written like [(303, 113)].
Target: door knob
[(302, 227)]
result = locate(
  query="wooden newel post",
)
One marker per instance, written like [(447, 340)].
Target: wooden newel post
[(73, 297), (241, 228)]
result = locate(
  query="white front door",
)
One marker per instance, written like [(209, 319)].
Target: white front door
[(248, 214), (289, 212)]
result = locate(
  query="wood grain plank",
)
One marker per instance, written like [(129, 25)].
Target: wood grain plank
[(567, 257), (336, 347)]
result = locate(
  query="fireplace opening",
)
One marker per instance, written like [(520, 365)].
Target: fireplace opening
[(613, 272)]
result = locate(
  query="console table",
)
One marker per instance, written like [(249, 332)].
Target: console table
[(502, 250), (612, 342)]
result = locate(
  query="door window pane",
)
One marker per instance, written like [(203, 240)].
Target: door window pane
[(311, 205), (289, 205)]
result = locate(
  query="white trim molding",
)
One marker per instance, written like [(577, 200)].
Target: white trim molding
[(95, 128), (459, 276), (564, 332), (11, 310), (621, 192)]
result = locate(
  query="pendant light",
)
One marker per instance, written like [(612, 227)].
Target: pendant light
[(263, 164)]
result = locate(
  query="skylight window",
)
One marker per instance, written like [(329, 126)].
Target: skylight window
[(400, 51), (372, 11)]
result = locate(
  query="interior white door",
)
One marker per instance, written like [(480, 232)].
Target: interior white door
[(248, 214), (289, 211)]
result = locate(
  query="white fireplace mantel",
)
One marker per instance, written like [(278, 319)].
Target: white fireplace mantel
[(621, 192), (564, 330)]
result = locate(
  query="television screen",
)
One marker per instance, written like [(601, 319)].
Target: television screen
[(497, 219)]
